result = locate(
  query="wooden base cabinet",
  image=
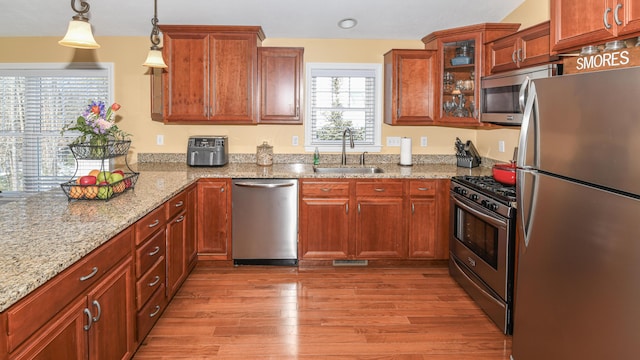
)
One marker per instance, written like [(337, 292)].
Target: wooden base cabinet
[(324, 219), (386, 219), (214, 219), (80, 317), (380, 228)]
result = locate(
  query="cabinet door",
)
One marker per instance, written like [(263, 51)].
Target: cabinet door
[(191, 244), (503, 54), (575, 23), (379, 228), (422, 228), (187, 55), (63, 338), (324, 228), (409, 87), (112, 305), (232, 78), (631, 13), (176, 255), (213, 220), (280, 74)]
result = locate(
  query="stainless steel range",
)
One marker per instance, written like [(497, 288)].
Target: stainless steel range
[(482, 244)]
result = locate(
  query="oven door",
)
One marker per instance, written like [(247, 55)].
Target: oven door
[(480, 240)]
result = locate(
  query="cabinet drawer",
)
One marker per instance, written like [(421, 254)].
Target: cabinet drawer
[(150, 252), (29, 314), (150, 282), (176, 204), (422, 187), (387, 188), (151, 312), (325, 189), (150, 223)]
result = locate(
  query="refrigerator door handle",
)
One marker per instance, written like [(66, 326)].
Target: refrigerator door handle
[(528, 130), (526, 190), (523, 92)]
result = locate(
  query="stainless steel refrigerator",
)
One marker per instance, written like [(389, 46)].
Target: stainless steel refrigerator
[(578, 184)]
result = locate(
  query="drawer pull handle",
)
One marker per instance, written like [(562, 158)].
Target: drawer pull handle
[(424, 188), (94, 271), (180, 219), (97, 305), (179, 203), (325, 189), (379, 189), (155, 282), (155, 312), (154, 224), (155, 251), (89, 319)]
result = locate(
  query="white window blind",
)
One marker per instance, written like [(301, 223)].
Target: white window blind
[(343, 96), (36, 103)]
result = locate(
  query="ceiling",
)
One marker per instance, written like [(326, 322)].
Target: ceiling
[(377, 19)]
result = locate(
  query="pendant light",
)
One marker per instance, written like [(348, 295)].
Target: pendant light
[(79, 33), (154, 58)]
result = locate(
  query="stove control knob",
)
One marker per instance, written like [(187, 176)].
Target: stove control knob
[(493, 206), (474, 197), (484, 203), (460, 191)]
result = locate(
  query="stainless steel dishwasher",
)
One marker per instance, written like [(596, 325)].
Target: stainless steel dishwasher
[(264, 221)]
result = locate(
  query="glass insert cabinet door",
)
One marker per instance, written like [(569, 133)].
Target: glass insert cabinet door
[(459, 79)]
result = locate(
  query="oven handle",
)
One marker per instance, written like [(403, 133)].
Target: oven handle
[(487, 218)]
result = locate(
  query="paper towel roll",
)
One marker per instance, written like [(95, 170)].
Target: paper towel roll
[(405, 151)]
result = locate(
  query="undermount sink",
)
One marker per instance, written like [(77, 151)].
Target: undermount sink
[(347, 170)]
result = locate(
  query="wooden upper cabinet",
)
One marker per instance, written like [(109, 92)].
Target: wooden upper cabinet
[(525, 48), (577, 23), (461, 58), (409, 87), (280, 79), (212, 74)]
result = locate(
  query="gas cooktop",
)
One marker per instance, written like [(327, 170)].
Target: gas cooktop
[(490, 187)]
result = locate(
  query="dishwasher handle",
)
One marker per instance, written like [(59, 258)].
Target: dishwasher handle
[(263, 185)]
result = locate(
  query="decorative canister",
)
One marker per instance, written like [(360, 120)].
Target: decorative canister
[(264, 154)]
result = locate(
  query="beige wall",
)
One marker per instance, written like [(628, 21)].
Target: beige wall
[(132, 92)]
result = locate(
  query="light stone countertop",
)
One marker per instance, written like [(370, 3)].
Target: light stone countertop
[(43, 234)]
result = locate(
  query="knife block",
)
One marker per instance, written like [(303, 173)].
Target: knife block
[(467, 161)]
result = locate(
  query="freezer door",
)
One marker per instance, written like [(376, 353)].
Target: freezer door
[(588, 127), (577, 289)]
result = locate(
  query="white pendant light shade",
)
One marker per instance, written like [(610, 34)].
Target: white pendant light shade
[(154, 59), (79, 36)]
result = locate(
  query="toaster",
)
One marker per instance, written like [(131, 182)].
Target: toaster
[(207, 151)]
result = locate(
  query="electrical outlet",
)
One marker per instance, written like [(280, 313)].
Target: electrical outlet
[(423, 141), (501, 146), (393, 140), (159, 139), (294, 140)]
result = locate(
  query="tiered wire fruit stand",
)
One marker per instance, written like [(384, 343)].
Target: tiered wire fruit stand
[(101, 190)]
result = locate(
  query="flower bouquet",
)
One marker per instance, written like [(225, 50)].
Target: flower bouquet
[(100, 137)]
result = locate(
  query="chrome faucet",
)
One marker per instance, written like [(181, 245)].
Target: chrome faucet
[(351, 144)]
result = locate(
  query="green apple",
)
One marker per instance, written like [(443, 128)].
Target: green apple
[(114, 178), (105, 191), (103, 176)]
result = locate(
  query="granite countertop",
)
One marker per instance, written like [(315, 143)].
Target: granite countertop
[(43, 234)]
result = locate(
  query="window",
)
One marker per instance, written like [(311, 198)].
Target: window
[(341, 96), (37, 101)]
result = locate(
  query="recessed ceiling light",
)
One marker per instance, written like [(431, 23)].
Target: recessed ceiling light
[(347, 23)]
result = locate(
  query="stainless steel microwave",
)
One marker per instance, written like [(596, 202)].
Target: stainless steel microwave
[(502, 96)]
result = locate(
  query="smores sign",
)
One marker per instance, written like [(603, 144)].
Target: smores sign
[(622, 58)]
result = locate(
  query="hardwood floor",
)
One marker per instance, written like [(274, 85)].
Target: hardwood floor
[(256, 312)]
